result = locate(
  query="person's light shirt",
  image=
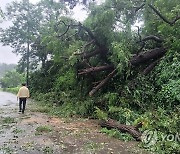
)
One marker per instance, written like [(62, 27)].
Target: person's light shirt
[(23, 92)]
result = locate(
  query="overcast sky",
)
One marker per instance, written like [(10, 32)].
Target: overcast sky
[(6, 55)]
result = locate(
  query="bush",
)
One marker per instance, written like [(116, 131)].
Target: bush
[(12, 79), (169, 95), (12, 90)]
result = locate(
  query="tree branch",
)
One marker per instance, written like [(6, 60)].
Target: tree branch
[(95, 69), (146, 56), (132, 130), (64, 32), (91, 54), (137, 8), (64, 57), (67, 38), (67, 29), (102, 83), (164, 18), (147, 38), (142, 46), (140, 39), (90, 34), (150, 67), (86, 45), (152, 37), (81, 26)]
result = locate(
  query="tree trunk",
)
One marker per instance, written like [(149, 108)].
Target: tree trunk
[(102, 83), (150, 67), (95, 69), (91, 54), (133, 130), (144, 57)]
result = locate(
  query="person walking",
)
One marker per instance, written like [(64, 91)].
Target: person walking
[(23, 94)]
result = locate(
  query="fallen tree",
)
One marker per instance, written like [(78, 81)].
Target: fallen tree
[(91, 54), (149, 55), (152, 55), (132, 130), (95, 69), (148, 69), (102, 83)]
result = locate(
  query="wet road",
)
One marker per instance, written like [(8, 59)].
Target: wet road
[(8, 99), (38, 133)]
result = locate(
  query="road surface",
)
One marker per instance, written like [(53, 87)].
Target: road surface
[(38, 133)]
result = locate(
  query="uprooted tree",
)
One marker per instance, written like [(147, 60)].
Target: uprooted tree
[(97, 56), (148, 57)]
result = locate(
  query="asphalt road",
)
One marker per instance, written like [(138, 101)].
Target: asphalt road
[(8, 99)]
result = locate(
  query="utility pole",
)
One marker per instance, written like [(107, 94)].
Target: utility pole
[(28, 47)]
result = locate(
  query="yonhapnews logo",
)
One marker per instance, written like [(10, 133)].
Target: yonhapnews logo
[(150, 137)]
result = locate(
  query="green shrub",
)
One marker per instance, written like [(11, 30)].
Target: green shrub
[(12, 90), (169, 95), (43, 129), (115, 133)]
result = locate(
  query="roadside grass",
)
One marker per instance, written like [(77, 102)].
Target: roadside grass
[(43, 129), (50, 109), (6, 150), (117, 134), (12, 90), (92, 147), (40, 107), (53, 109), (8, 120), (17, 131)]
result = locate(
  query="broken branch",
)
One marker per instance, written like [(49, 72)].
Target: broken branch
[(95, 69), (86, 45), (144, 57), (150, 67), (102, 83), (91, 54), (132, 130), (152, 37), (90, 34)]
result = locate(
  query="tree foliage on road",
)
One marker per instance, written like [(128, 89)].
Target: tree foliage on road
[(131, 72)]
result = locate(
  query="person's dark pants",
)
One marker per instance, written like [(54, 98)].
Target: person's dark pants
[(22, 104)]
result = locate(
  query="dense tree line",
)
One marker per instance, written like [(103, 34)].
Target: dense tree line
[(9, 77), (5, 68), (104, 67)]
